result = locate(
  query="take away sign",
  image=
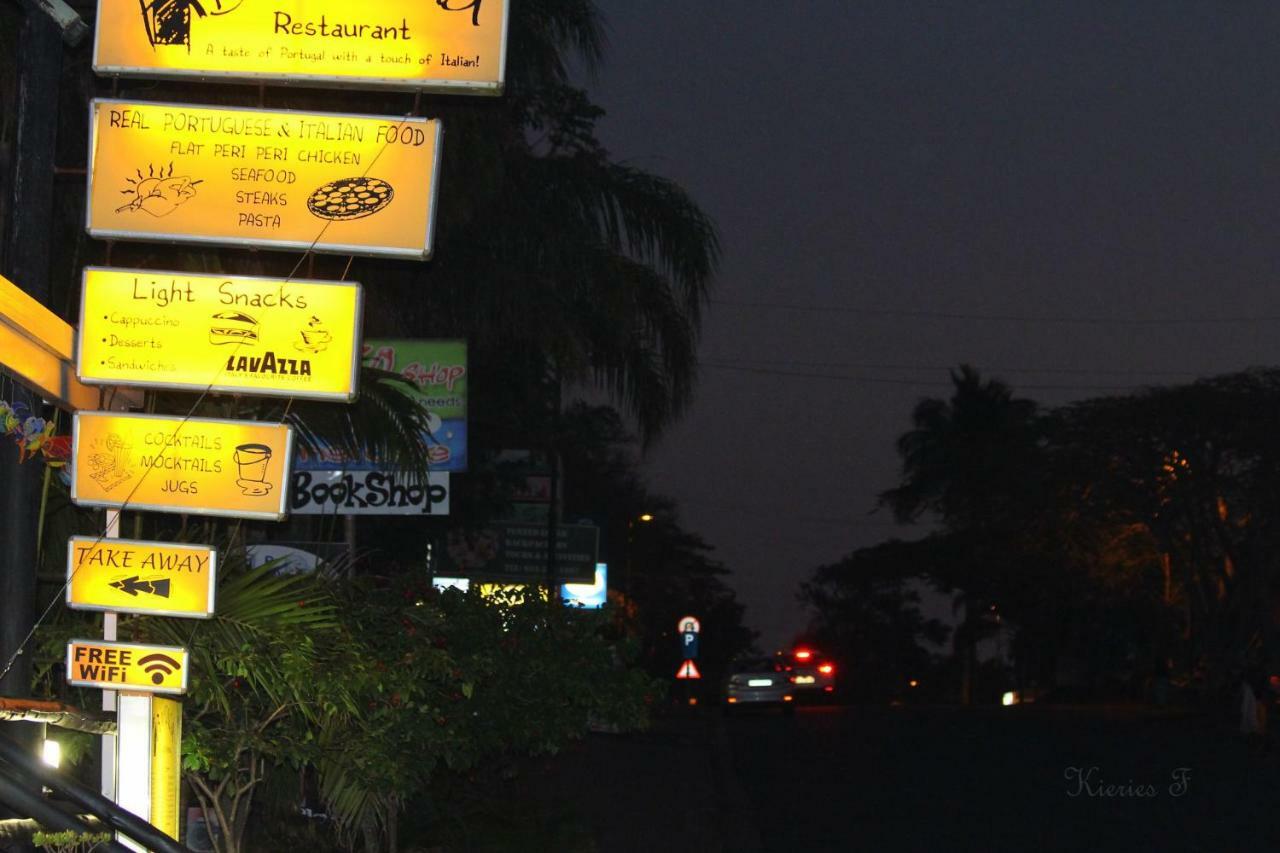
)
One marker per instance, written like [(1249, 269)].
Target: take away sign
[(150, 578), (127, 666), (440, 46), (277, 179), (167, 464), (236, 334)]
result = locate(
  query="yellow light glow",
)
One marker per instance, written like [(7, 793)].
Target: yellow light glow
[(211, 467), (401, 44), (361, 185), (1009, 698), (34, 320), (227, 333), (49, 375), (511, 594), (786, 698), (804, 679), (914, 683), (126, 576), (166, 763), (646, 517), (115, 666)]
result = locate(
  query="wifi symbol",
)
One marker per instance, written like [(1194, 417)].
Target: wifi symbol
[(159, 666)]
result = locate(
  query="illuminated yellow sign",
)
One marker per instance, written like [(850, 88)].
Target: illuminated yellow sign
[(225, 333), (127, 666), (35, 347), (166, 764), (154, 578), (167, 464), (426, 45), (358, 185)]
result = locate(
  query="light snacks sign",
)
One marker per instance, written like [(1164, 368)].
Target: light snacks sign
[(234, 334)]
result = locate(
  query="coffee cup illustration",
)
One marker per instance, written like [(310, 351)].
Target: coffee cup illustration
[(252, 459)]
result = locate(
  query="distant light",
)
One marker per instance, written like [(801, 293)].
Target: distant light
[(1009, 698), (693, 700), (787, 698), (51, 754), (733, 700), (827, 669), (829, 689), (443, 583), (914, 683), (803, 654), (646, 517)]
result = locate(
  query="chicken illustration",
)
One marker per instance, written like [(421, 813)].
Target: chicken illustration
[(169, 21), (160, 193)]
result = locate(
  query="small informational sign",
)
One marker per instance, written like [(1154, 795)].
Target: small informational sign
[(277, 179), (689, 645), (234, 334), (168, 464), (688, 670), (689, 625), (436, 373), (367, 493), (518, 552), (426, 45), (127, 666), (150, 578)]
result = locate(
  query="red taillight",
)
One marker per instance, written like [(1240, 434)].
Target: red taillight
[(803, 654), (826, 669), (829, 689)]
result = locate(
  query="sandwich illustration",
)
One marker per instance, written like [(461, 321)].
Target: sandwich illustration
[(232, 327)]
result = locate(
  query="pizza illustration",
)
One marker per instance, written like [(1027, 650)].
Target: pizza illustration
[(350, 198)]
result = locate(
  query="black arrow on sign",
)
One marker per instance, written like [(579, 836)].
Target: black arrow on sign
[(135, 585)]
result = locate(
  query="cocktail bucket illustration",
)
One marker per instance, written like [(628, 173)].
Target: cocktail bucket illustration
[(252, 461)]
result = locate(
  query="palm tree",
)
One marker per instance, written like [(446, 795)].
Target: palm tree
[(968, 460)]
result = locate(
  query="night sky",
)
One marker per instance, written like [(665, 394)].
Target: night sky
[(1076, 197)]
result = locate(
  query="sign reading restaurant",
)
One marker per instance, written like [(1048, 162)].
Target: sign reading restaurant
[(423, 45), (346, 184), (223, 333), (171, 464)]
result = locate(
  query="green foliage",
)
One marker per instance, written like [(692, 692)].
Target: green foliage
[(70, 842)]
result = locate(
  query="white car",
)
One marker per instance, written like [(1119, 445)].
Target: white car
[(759, 682)]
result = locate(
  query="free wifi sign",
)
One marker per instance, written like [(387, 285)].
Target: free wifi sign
[(127, 666)]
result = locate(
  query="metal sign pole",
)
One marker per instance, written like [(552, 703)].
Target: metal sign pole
[(109, 623)]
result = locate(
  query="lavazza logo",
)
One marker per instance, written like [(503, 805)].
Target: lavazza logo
[(271, 363)]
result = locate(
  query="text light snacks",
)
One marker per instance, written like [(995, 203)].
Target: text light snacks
[(168, 464), (223, 333), (348, 184), (425, 45)]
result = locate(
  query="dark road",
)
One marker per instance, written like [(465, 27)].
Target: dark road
[(1000, 779)]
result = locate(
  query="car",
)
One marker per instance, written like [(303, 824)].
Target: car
[(813, 675), (758, 682)]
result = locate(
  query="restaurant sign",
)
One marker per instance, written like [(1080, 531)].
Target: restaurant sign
[(441, 46), (277, 179), (221, 333), (168, 464)]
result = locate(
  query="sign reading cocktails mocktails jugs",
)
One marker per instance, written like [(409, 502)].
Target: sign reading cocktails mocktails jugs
[(279, 179), (425, 45), (168, 464), (222, 333)]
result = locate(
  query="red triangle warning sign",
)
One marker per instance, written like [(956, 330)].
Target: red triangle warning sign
[(688, 670)]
